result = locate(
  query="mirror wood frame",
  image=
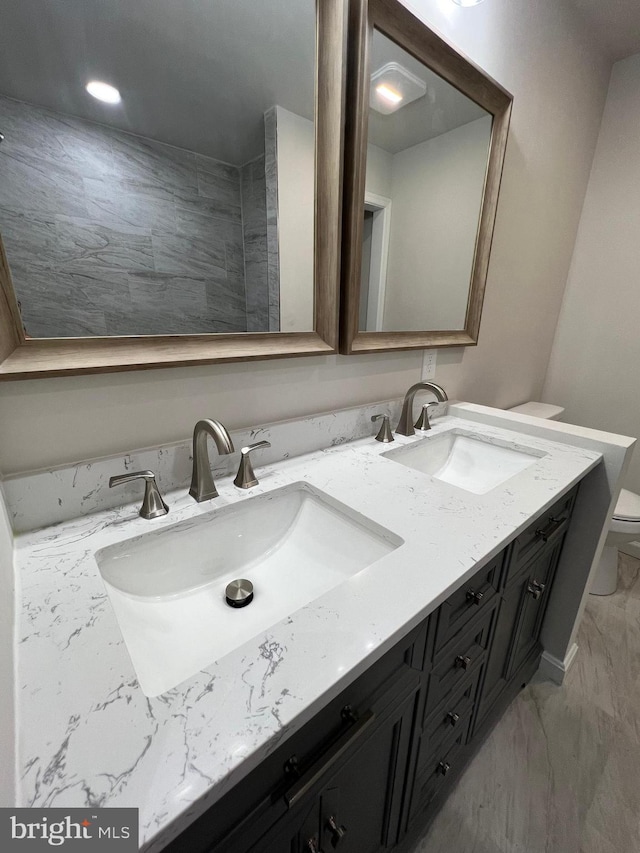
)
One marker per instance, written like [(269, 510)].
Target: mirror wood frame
[(395, 21), (24, 358)]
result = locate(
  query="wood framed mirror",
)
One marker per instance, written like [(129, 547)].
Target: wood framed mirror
[(425, 142), (196, 220)]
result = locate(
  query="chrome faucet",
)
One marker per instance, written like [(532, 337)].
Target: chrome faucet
[(153, 505), (202, 486), (405, 424)]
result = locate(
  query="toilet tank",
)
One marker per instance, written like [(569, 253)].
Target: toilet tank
[(540, 410)]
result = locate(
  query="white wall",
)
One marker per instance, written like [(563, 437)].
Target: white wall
[(296, 194), (437, 191), (378, 178), (7, 721), (537, 50), (595, 364)]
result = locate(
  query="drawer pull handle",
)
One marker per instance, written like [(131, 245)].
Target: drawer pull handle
[(307, 781), (536, 589), (452, 718), (337, 832), (443, 768), (475, 597), (462, 662), (291, 767), (312, 846), (545, 533)]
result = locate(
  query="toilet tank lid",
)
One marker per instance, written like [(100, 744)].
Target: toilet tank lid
[(539, 410), (628, 506)]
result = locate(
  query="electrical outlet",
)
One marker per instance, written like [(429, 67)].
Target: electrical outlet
[(429, 364)]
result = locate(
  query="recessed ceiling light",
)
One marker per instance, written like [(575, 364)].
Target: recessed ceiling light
[(467, 2), (393, 86), (103, 92)]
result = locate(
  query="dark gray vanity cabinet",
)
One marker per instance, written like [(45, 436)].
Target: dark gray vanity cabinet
[(357, 808), (530, 564), (371, 769)]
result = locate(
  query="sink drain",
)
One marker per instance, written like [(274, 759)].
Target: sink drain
[(239, 593)]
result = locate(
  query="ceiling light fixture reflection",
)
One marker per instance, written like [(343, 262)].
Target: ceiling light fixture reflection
[(103, 92), (389, 94), (393, 86)]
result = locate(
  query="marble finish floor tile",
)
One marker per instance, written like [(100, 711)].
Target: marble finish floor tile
[(559, 773)]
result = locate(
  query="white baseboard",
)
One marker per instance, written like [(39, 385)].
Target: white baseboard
[(555, 669), (632, 549)]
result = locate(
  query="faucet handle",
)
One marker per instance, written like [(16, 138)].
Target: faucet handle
[(246, 478), (384, 433), (423, 418), (152, 504)]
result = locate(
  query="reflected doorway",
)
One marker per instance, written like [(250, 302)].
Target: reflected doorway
[(375, 253)]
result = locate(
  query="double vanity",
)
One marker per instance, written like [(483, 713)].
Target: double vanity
[(400, 591)]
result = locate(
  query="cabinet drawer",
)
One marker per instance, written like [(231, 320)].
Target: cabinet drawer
[(473, 596), (453, 716), (546, 528), (440, 767), (463, 654)]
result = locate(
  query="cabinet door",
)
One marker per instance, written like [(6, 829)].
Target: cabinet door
[(497, 666), (297, 835), (534, 597), (360, 804), (518, 626)]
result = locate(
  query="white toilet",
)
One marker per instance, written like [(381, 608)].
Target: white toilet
[(625, 523)]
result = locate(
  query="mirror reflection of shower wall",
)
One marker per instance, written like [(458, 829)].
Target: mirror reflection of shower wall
[(188, 207), (427, 153)]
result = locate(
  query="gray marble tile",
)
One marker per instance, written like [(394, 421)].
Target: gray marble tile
[(254, 223), (217, 168), (274, 315), (115, 204), (222, 195), (162, 322), (192, 222), (100, 210), (39, 188), (64, 304), (226, 302), (58, 312), (27, 240), (101, 289), (235, 261), (187, 255), (35, 134), (271, 199), (208, 207), (153, 163), (86, 246), (164, 304), (163, 296), (75, 322)]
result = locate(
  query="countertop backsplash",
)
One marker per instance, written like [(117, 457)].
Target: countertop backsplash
[(50, 496)]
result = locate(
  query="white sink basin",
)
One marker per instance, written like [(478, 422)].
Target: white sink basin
[(471, 462), (167, 587)]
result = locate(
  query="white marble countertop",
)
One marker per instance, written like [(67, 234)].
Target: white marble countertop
[(87, 733)]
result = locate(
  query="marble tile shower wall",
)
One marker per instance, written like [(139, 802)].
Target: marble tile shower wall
[(254, 225), (113, 234), (271, 182)]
